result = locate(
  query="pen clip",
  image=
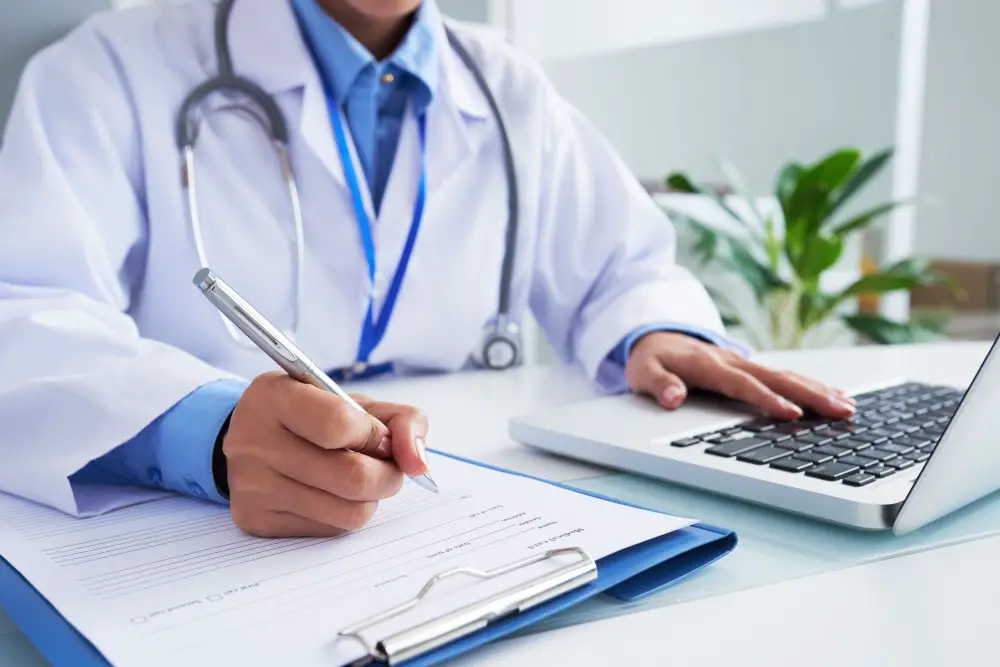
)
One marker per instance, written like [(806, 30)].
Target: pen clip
[(276, 345)]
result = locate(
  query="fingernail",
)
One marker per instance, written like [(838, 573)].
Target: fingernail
[(843, 404), (421, 450), (672, 394), (788, 405), (384, 446)]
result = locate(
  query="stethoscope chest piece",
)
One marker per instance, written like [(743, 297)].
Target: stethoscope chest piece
[(501, 346)]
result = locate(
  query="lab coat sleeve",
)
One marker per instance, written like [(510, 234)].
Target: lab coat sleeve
[(77, 378), (175, 451), (606, 253)]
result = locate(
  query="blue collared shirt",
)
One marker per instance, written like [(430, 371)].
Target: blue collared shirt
[(374, 96), (175, 451)]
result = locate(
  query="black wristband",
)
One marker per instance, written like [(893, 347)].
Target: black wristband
[(220, 471)]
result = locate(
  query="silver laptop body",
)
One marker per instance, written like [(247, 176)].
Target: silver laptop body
[(633, 434)]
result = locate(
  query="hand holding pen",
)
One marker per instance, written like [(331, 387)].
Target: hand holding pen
[(303, 457)]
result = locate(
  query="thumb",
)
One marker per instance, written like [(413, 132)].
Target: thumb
[(369, 435), (655, 380)]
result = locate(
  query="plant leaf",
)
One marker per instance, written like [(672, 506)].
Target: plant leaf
[(682, 183), (720, 201), (819, 253), (888, 281), (835, 169), (788, 180), (706, 246), (889, 332), (811, 198), (868, 169), (862, 220), (741, 190), (814, 307), (759, 276), (771, 244)]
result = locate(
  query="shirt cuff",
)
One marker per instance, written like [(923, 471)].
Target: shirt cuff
[(175, 451), (621, 353)]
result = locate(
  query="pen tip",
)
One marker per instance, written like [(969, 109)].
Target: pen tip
[(429, 483)]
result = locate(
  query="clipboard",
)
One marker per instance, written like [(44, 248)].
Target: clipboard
[(627, 575)]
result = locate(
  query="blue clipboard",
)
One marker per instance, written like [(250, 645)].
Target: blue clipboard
[(628, 575)]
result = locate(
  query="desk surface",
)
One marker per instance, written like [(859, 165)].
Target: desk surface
[(924, 609)]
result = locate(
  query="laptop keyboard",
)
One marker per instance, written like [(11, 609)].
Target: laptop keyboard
[(895, 429)]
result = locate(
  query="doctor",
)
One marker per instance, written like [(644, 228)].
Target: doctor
[(399, 236)]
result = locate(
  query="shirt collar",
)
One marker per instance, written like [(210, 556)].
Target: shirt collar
[(340, 58)]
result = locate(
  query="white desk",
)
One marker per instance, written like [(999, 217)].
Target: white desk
[(926, 609)]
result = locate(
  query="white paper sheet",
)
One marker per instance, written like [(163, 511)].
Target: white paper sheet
[(174, 581)]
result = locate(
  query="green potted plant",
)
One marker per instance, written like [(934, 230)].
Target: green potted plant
[(783, 257)]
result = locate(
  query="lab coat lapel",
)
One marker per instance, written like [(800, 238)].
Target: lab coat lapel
[(455, 127), (268, 49)]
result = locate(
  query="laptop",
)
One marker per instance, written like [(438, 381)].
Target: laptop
[(913, 453)]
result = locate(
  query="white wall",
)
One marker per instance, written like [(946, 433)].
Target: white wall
[(961, 143), (771, 87)]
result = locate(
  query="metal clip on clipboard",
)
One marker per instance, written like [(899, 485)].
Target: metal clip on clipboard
[(428, 636)]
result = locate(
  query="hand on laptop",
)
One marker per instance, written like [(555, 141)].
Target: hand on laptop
[(665, 365)]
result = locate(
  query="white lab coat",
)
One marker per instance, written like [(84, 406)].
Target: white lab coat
[(101, 329)]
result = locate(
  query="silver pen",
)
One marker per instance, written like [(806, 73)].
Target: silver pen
[(275, 344)]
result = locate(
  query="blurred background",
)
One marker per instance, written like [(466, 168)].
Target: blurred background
[(829, 164)]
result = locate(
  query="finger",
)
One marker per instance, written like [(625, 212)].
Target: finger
[(653, 379), (350, 475), (740, 385), (833, 390), (806, 393), (285, 524), (329, 421), (408, 435), (288, 495)]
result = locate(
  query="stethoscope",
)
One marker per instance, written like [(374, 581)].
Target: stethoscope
[(501, 345)]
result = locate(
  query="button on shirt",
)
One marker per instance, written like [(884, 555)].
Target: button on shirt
[(174, 452)]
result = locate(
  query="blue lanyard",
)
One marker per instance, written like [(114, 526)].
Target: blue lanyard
[(374, 329)]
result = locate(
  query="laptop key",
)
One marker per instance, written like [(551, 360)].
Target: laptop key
[(915, 441), (877, 454), (859, 479), (737, 447), (764, 455), (792, 464), (814, 438), (833, 451), (918, 456), (853, 443), (813, 457), (686, 442), (792, 428), (774, 436), (760, 425), (900, 463), (880, 470), (860, 461), (795, 445), (831, 471), (896, 448), (870, 437)]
